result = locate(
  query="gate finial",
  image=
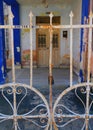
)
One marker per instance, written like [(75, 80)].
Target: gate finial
[(10, 14), (91, 14), (30, 14), (51, 15), (71, 14)]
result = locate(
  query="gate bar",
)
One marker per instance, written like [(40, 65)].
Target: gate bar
[(77, 26), (50, 68), (89, 46), (12, 43), (13, 68), (71, 49), (88, 75), (31, 51)]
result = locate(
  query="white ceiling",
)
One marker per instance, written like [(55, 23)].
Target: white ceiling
[(39, 2)]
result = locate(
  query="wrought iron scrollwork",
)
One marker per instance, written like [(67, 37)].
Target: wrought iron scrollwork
[(31, 107), (66, 115)]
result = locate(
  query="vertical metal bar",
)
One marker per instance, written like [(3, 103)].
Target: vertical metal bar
[(31, 51), (12, 43), (87, 107), (84, 53), (50, 68), (13, 68), (91, 5), (71, 49), (88, 76), (15, 110), (89, 46), (50, 59)]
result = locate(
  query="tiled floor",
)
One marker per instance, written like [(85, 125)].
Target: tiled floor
[(40, 77)]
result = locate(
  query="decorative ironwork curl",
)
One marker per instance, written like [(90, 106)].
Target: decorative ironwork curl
[(10, 91), (83, 91), (39, 115), (19, 91), (71, 116), (91, 91)]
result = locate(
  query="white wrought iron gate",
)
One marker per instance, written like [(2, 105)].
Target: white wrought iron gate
[(39, 113)]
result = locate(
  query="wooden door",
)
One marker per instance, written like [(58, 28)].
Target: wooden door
[(43, 47), (56, 48), (43, 44)]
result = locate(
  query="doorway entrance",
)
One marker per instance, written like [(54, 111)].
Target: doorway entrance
[(43, 43)]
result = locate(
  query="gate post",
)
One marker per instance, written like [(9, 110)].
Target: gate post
[(3, 74)]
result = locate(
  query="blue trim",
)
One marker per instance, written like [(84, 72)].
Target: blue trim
[(85, 13), (3, 73), (10, 2), (16, 21)]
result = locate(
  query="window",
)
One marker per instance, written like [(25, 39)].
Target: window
[(46, 20), (41, 40)]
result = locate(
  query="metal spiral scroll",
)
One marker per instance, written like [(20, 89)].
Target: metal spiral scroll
[(70, 108), (31, 108)]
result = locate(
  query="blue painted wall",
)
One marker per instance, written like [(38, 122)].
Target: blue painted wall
[(15, 7), (3, 74), (85, 13), (10, 2), (16, 21)]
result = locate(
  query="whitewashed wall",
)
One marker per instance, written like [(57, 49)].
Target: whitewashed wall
[(76, 39), (58, 10)]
